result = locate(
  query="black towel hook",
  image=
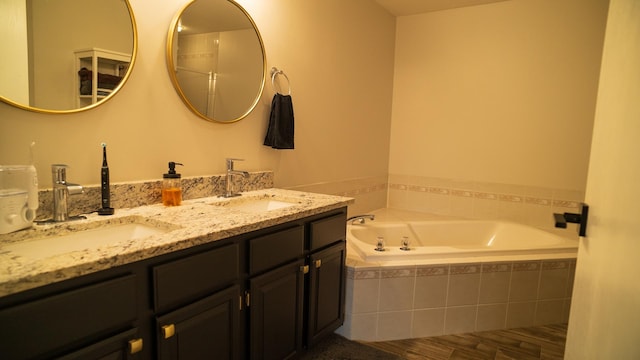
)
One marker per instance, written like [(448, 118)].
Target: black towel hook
[(274, 72)]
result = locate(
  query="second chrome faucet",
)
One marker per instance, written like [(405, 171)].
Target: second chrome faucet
[(230, 173)]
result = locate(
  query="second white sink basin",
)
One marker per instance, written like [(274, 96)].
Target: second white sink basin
[(83, 239), (256, 205), (262, 205)]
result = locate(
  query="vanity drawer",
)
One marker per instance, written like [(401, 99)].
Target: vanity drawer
[(327, 231), (45, 326), (268, 251), (182, 281)]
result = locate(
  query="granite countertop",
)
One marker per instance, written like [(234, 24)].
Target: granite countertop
[(195, 222)]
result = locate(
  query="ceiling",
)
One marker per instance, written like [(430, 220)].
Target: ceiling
[(412, 7)]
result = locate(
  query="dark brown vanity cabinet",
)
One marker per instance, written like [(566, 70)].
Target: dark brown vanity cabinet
[(268, 294), (297, 279)]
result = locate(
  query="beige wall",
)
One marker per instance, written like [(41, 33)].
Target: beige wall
[(338, 55), (495, 99), (501, 93)]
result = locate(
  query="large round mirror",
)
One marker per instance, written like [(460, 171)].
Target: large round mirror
[(216, 59), (65, 56)]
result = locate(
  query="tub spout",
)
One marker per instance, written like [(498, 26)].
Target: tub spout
[(360, 219)]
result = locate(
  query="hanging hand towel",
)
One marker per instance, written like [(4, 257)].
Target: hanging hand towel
[(280, 131)]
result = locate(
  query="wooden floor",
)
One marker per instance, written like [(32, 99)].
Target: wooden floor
[(535, 343)]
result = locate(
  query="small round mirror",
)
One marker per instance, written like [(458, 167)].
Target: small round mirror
[(65, 56), (216, 59)]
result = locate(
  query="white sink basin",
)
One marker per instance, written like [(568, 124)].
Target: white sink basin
[(83, 240), (255, 205), (262, 205)]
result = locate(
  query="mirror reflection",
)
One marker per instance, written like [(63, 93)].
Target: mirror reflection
[(65, 55), (216, 59)]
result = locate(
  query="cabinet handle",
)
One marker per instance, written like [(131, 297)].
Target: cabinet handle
[(304, 269), (247, 298), (168, 331), (135, 346), (318, 263)]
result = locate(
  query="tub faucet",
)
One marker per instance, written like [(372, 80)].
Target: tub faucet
[(61, 191), (405, 242), (230, 172), (360, 219)]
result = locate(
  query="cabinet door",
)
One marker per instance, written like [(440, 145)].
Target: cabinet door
[(326, 292), (207, 329), (276, 311), (124, 346)]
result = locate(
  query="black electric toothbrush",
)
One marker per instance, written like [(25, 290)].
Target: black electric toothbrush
[(106, 208)]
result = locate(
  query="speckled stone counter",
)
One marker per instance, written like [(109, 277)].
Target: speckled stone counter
[(195, 222)]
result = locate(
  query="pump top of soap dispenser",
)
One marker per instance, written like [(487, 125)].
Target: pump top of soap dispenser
[(172, 171)]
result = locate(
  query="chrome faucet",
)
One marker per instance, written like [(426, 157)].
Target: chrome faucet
[(230, 172), (360, 219), (61, 191)]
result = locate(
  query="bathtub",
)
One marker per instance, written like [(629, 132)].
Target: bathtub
[(441, 239), (459, 276)]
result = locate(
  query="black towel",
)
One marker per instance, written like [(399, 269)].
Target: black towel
[(280, 131)]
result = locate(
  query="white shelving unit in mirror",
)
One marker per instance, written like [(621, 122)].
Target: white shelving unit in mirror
[(99, 72)]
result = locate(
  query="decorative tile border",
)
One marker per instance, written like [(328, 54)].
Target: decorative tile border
[(363, 190), (555, 264), (486, 195), (462, 193), (432, 270), (364, 274), (537, 201), (464, 269), (527, 265), (496, 267), (387, 273)]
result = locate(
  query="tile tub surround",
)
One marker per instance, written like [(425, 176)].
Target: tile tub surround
[(533, 206), (400, 302), (196, 222), (370, 193), (141, 193)]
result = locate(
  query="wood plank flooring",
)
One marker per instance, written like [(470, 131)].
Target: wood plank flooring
[(534, 343)]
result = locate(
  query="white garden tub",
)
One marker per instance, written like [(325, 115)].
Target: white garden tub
[(438, 239)]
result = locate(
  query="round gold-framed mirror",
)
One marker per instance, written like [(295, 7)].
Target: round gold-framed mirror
[(216, 59), (65, 56)]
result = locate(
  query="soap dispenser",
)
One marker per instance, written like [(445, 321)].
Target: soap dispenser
[(171, 187)]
